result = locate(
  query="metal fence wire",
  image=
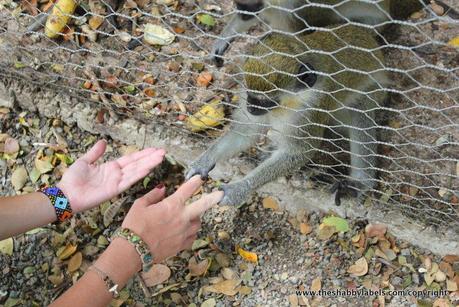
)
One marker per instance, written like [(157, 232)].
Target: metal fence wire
[(362, 95)]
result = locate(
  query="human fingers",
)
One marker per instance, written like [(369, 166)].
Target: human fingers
[(186, 190), (95, 152), (154, 196), (196, 209), (194, 227), (137, 170), (151, 153)]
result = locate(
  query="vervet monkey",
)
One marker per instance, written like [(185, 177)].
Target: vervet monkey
[(297, 86), (294, 16)]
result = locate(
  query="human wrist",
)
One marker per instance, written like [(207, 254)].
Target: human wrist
[(74, 204), (120, 261)]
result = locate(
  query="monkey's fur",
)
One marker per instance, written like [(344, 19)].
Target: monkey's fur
[(294, 16), (296, 91)]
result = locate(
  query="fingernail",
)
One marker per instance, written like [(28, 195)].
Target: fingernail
[(160, 186)]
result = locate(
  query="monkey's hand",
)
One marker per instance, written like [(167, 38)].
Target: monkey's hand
[(200, 167), (218, 50), (235, 193), (350, 188)]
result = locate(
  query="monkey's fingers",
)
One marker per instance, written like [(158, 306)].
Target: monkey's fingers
[(201, 170)]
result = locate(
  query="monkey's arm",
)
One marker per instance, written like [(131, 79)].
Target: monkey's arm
[(239, 23)]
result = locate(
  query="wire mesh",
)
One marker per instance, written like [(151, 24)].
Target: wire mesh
[(377, 110)]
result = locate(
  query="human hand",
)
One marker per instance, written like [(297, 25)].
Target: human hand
[(167, 226), (87, 184)]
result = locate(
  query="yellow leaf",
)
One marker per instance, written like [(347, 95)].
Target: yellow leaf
[(305, 228), (359, 268), (270, 203), (60, 15), (210, 115), (75, 262), (246, 255), (6, 246), (66, 252), (44, 164), (95, 22), (454, 42), (316, 284)]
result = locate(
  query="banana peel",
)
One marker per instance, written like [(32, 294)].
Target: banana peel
[(59, 17), (210, 115)]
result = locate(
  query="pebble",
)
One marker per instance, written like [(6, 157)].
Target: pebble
[(396, 281), (284, 276), (405, 252)]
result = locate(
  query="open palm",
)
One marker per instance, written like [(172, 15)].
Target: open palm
[(87, 184)]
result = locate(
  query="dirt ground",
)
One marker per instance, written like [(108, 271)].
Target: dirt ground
[(297, 252)]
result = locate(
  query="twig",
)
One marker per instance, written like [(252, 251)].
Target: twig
[(143, 285)]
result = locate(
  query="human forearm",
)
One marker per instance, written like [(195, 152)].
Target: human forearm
[(24, 212), (119, 261)]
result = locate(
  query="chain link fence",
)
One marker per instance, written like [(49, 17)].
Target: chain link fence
[(155, 61)]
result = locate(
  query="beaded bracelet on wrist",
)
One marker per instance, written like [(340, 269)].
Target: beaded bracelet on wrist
[(59, 201), (140, 246)]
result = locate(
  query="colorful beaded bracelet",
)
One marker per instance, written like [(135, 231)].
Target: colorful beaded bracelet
[(140, 246), (59, 201)]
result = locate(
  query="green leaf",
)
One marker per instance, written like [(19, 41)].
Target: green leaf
[(206, 19), (19, 65), (64, 158), (130, 89), (339, 223), (34, 175), (145, 182)]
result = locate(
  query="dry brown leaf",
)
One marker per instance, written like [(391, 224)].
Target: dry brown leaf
[(227, 273), (75, 262), (359, 268), (7, 246), (204, 79), (158, 274), (226, 287), (451, 285), (244, 290), (375, 230), (451, 258), (270, 203), (56, 279), (441, 302), (316, 284), (198, 269), (66, 252), (305, 228), (326, 232), (11, 146), (112, 210), (95, 22), (19, 178)]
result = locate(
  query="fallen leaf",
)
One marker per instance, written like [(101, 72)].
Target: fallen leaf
[(209, 303), (441, 302), (66, 252), (206, 19), (210, 115), (359, 268), (158, 274), (95, 22), (199, 243), (375, 230), (454, 42), (339, 223), (226, 287), (6, 246), (60, 15), (305, 228), (451, 285), (326, 232), (198, 268), (316, 284), (270, 203), (11, 146), (75, 262), (438, 9), (246, 255), (204, 79), (244, 290), (43, 165), (227, 273), (157, 35), (451, 258), (112, 210), (34, 175), (19, 178)]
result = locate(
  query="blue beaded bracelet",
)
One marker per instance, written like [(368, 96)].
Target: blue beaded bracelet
[(59, 201)]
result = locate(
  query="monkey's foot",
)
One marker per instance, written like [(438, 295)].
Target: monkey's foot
[(201, 168), (346, 188), (218, 50), (235, 194)]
